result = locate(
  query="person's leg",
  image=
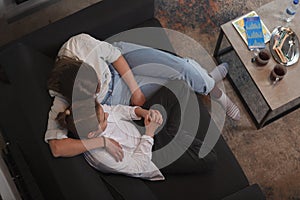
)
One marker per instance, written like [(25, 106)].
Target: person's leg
[(154, 63), (231, 109), (219, 72), (131, 51), (159, 64)]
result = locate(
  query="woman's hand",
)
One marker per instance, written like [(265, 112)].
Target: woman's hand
[(121, 65), (138, 98), (152, 121), (113, 148), (141, 112)]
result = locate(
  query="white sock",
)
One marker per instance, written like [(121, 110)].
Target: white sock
[(219, 72), (231, 109)]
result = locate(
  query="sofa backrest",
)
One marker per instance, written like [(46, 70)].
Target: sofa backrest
[(101, 20)]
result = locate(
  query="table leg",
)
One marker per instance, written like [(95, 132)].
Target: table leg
[(217, 51), (264, 119)]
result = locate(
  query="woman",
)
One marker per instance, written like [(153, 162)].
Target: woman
[(119, 85), (99, 55)]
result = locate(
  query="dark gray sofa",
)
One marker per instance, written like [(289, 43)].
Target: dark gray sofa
[(25, 103)]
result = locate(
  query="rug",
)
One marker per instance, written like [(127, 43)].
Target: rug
[(269, 156)]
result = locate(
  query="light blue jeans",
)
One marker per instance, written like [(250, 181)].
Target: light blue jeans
[(153, 68)]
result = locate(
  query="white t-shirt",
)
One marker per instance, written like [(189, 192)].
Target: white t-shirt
[(94, 52), (137, 148)]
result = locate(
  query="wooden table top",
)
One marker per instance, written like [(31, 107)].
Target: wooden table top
[(288, 88)]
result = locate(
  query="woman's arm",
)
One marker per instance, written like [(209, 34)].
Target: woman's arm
[(71, 147), (124, 70)]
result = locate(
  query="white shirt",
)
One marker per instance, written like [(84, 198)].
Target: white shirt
[(137, 148), (94, 52)]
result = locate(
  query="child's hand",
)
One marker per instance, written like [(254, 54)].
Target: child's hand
[(152, 121), (114, 149)]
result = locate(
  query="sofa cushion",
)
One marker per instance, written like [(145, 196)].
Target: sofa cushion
[(226, 178), (248, 193)]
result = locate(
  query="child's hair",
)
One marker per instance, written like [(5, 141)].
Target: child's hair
[(74, 79), (80, 119)]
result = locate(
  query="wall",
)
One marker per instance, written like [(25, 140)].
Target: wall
[(38, 18)]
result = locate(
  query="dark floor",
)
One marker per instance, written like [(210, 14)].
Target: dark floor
[(269, 156)]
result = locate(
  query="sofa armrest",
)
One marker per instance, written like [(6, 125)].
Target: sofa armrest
[(248, 193)]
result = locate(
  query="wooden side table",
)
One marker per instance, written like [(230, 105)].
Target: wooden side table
[(264, 101)]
